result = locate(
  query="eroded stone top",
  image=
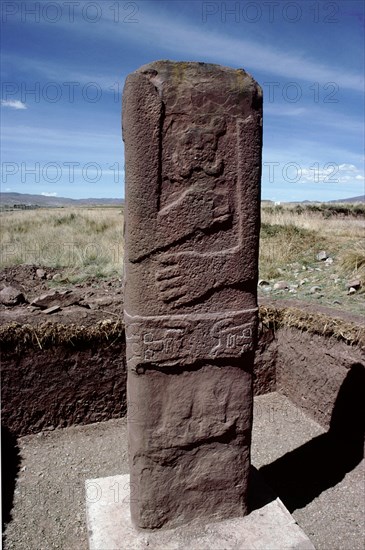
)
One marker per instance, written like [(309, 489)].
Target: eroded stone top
[(206, 86)]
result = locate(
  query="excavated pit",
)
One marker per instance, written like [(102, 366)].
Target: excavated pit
[(56, 374)]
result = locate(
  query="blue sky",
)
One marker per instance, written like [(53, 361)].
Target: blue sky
[(64, 64)]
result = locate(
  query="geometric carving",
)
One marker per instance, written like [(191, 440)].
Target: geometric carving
[(185, 339)]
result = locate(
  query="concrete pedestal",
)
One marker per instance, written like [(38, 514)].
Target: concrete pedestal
[(268, 527)]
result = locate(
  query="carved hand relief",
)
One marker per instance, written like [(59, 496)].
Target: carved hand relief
[(198, 207), (183, 277)]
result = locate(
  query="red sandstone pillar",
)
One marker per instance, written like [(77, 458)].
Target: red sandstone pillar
[(192, 135)]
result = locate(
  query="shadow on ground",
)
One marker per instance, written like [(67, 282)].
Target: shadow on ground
[(303, 474), (10, 462)]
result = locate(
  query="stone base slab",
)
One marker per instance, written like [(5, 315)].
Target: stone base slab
[(109, 525)]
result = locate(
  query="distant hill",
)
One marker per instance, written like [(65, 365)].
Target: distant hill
[(11, 199), (360, 198)]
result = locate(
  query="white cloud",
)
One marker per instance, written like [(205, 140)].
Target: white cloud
[(332, 173), (66, 82), (183, 38), (42, 135), (284, 110), (347, 167), (316, 116), (49, 194), (13, 104)]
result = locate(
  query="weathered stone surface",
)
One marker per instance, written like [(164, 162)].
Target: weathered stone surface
[(52, 309), (315, 289), (354, 283), (41, 274), (64, 298), (192, 135), (98, 302), (322, 255), (11, 296), (281, 285)]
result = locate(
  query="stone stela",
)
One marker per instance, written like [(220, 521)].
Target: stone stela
[(193, 139)]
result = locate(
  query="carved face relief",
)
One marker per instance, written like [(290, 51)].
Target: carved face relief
[(194, 148)]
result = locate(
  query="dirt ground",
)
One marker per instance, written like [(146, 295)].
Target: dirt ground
[(50, 498), (98, 298), (95, 298)]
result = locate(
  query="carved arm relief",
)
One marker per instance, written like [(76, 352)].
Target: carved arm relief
[(183, 277)]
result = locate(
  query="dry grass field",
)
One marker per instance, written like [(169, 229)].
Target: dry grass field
[(291, 238), (289, 235), (88, 242), (85, 241)]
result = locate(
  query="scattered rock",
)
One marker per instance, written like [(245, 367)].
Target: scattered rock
[(356, 284), (56, 298), (100, 302), (329, 261), (51, 310), (49, 276), (293, 291), (321, 256), (281, 285), (41, 274), (315, 289), (262, 282), (11, 296), (57, 277), (303, 281), (352, 290)]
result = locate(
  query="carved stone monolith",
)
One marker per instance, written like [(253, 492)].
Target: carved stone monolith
[(192, 135)]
